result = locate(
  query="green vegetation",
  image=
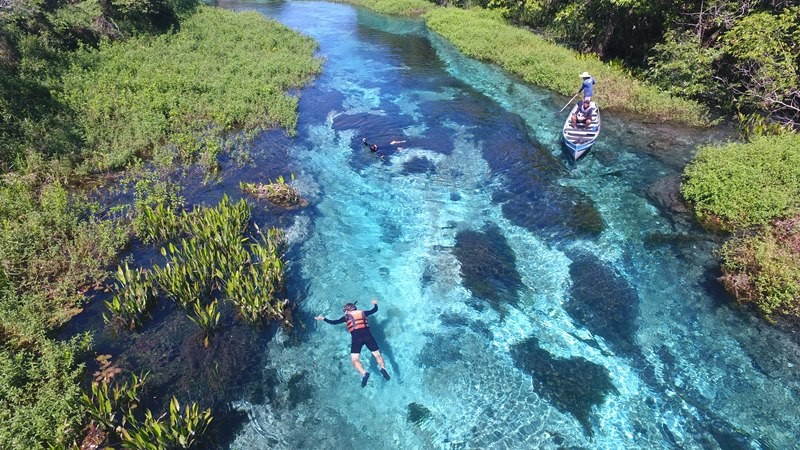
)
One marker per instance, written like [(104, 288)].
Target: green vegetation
[(764, 269), (183, 93), (747, 189), (114, 409), (485, 35), (87, 86), (742, 185), (214, 260), (279, 192), (410, 8)]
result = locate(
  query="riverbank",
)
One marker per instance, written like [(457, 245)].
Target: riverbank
[(485, 35), (151, 106)]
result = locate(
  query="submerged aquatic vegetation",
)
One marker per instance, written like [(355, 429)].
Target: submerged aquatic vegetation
[(206, 317), (278, 192)]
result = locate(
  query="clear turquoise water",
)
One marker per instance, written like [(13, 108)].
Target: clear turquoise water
[(525, 302)]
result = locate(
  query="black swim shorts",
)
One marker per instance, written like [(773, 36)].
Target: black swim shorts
[(361, 338)]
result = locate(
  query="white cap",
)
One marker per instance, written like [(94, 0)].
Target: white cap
[(585, 75)]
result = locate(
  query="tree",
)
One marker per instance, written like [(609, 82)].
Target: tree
[(763, 47)]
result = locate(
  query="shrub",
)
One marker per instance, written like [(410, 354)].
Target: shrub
[(742, 185), (764, 269)]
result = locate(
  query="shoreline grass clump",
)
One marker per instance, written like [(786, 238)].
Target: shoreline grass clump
[(764, 269), (740, 185), (278, 192), (410, 8), (485, 35), (170, 92), (753, 191), (114, 410)]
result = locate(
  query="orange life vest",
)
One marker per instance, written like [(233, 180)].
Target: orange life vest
[(356, 320)]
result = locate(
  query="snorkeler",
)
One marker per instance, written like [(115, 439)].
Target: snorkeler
[(372, 147), (358, 327)]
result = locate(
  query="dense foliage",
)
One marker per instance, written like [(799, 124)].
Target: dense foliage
[(738, 56), (742, 185), (485, 35), (764, 269), (91, 85), (746, 189), (51, 244), (185, 92)]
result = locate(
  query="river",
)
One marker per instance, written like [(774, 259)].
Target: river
[(524, 301)]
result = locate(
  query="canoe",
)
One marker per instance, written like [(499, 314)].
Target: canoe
[(579, 140)]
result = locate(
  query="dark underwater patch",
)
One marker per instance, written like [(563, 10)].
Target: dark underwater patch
[(488, 266), (419, 165), (417, 413), (572, 385), (457, 320), (441, 348), (603, 302), (299, 389)]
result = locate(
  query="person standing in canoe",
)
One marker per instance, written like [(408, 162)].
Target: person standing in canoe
[(587, 86), (358, 327)]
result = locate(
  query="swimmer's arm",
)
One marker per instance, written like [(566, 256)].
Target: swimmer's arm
[(332, 322), (374, 308)]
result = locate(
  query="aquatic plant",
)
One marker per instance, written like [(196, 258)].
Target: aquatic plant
[(255, 289), (105, 402), (134, 296), (278, 192), (181, 431), (206, 317), (157, 223), (116, 410)]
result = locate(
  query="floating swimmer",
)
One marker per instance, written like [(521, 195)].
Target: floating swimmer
[(360, 335)]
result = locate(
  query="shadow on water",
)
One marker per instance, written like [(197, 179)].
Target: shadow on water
[(385, 347)]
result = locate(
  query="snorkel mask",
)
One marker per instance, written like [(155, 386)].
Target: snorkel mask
[(349, 307)]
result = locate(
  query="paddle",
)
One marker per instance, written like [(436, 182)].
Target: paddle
[(569, 102)]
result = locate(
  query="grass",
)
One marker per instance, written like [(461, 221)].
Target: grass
[(764, 269), (753, 190), (411, 8), (485, 35), (187, 91)]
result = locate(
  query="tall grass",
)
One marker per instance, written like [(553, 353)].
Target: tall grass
[(485, 35), (185, 91)]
